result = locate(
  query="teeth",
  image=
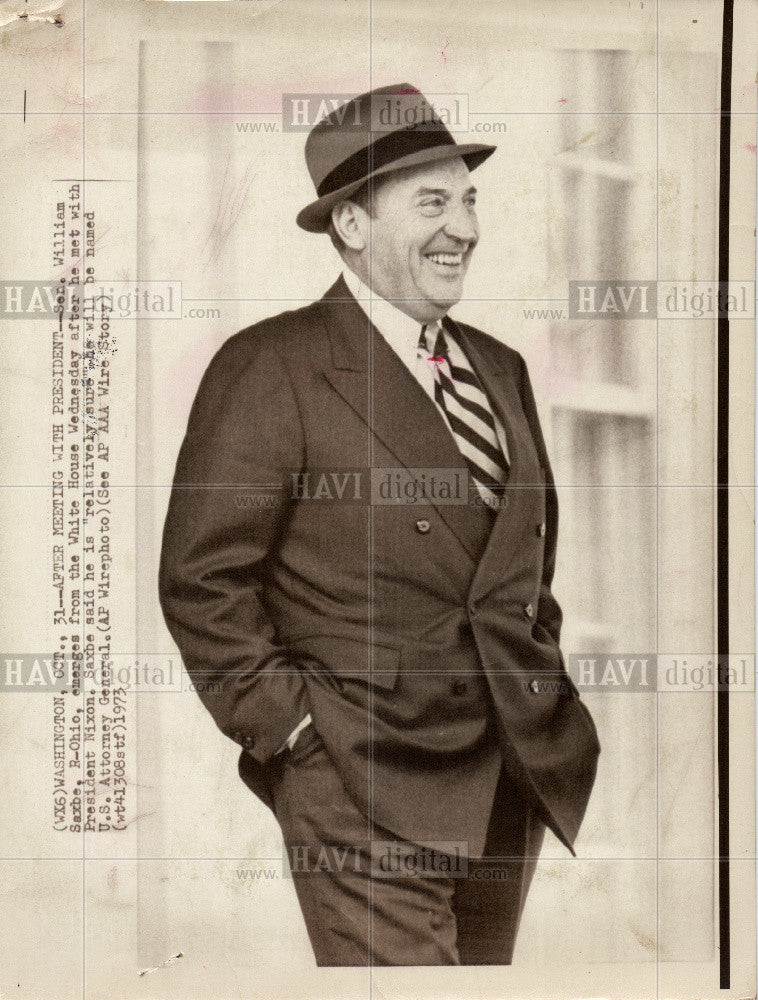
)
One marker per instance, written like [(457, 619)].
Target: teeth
[(446, 258)]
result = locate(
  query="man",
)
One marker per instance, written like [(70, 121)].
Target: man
[(390, 669)]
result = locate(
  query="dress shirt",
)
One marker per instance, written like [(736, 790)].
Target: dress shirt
[(402, 333)]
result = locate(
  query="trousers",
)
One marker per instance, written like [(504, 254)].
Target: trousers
[(369, 899)]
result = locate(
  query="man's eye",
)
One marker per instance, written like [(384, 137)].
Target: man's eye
[(432, 204)]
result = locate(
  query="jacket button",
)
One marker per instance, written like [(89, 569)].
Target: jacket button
[(422, 526), (459, 687), (528, 610), (541, 529), (247, 742)]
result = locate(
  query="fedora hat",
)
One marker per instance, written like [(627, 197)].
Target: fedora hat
[(371, 135)]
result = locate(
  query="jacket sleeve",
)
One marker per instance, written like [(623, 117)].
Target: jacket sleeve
[(549, 614), (227, 510)]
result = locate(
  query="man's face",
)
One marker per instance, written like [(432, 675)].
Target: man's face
[(421, 238)]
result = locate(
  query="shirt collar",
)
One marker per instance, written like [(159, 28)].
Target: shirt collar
[(401, 331)]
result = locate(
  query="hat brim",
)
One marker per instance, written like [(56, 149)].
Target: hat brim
[(314, 218)]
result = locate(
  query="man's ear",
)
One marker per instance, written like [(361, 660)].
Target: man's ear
[(351, 225)]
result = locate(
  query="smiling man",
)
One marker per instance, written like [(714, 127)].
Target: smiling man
[(391, 670), (415, 246)]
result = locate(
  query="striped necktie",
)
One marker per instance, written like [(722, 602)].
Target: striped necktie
[(459, 394)]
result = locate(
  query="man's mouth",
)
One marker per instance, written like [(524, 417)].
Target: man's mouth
[(448, 259)]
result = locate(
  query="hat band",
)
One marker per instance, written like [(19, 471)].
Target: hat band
[(385, 150)]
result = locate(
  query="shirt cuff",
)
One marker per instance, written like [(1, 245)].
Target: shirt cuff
[(292, 738)]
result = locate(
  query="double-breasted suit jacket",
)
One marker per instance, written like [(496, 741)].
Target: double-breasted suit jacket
[(422, 637)]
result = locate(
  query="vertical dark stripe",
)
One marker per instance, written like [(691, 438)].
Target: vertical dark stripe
[(722, 502)]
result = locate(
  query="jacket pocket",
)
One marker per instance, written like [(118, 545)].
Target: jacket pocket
[(343, 657)]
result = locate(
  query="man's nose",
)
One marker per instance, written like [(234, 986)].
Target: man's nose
[(461, 224)]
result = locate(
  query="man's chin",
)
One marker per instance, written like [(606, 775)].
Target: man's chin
[(443, 299), (434, 300), (447, 284)]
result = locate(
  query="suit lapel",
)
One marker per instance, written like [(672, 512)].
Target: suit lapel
[(371, 378)]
